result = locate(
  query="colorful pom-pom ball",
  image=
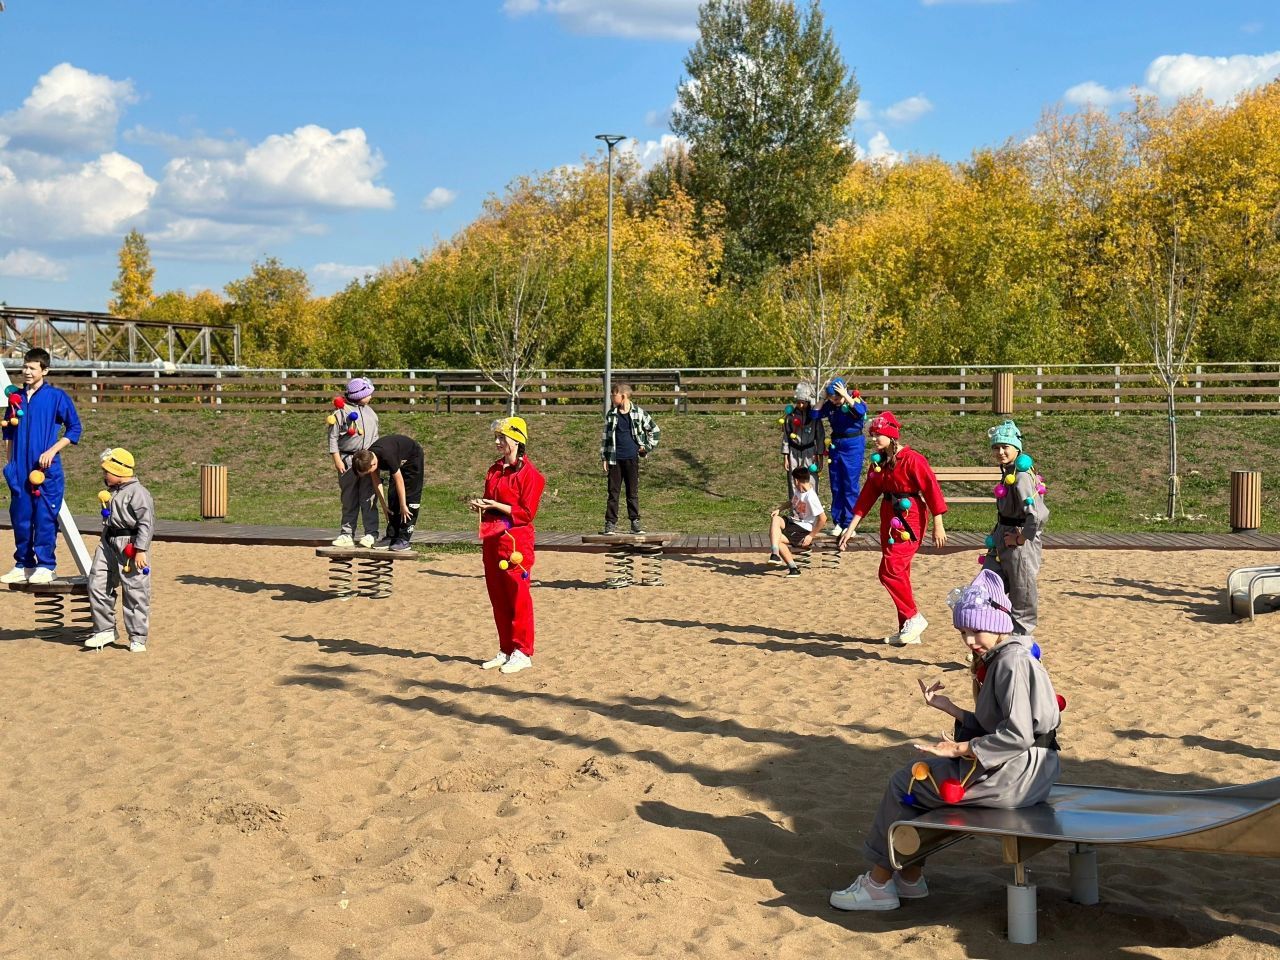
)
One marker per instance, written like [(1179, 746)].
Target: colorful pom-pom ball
[(351, 431), (904, 504), (502, 564), (982, 559), (36, 477), (339, 402), (10, 389), (1062, 702), (951, 790), (908, 800), (106, 513), (1035, 650), (1041, 489), (999, 490), (876, 458), (788, 408), (920, 770), (844, 408), (13, 422), (360, 430), (18, 415), (35, 492), (524, 575), (104, 496), (331, 420), (353, 415), (517, 556), (1010, 478), (1029, 501), (813, 468), (990, 541), (895, 523), (130, 550), (796, 421), (795, 437), (146, 571), (17, 398), (1024, 462), (857, 394)]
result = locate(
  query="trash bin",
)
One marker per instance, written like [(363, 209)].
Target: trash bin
[(213, 491), (1246, 501), (1002, 392)]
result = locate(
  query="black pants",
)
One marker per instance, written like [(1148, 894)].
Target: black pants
[(628, 472), (411, 471)]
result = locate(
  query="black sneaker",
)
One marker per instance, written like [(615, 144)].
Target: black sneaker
[(793, 571), (384, 544), (775, 560), (635, 527), (400, 546), (609, 528)]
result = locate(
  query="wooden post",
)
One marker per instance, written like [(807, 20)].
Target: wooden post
[(1246, 501), (1002, 392), (213, 491)]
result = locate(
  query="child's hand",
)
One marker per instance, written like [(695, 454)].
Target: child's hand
[(945, 748), (1013, 540), (46, 458), (935, 699), (939, 533), (605, 465), (140, 560), (807, 541), (773, 512)]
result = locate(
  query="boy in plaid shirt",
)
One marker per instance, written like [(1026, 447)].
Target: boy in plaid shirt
[(629, 434)]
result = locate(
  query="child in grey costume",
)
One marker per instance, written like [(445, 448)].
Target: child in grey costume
[(1015, 549), (128, 517), (355, 429), (1004, 754)]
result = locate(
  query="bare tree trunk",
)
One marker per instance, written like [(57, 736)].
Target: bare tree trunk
[(1175, 483)]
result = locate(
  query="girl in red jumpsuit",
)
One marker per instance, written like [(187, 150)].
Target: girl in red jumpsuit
[(512, 489), (905, 480)]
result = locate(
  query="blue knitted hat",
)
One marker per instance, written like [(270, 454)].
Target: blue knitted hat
[(1006, 435)]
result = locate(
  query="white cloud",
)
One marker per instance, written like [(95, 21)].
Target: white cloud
[(908, 110), (68, 110), (649, 19), (1220, 79), (439, 198), (334, 276), (26, 264), (880, 151), (310, 167), (96, 199), (649, 152), (1094, 94), (661, 118)]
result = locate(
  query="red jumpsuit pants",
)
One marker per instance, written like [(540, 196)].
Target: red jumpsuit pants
[(509, 589), (895, 559)]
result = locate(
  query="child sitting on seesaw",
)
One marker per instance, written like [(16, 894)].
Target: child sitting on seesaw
[(793, 524), (1004, 752)]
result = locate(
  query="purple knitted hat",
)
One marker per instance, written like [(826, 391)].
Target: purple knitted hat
[(358, 388), (983, 605)]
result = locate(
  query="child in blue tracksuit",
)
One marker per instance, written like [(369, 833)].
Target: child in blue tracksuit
[(35, 414), (846, 413)]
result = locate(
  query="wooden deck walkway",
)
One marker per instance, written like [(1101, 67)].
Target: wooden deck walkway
[(194, 531)]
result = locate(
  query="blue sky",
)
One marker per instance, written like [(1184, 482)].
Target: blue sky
[(340, 137)]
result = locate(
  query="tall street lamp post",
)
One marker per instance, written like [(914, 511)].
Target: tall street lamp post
[(612, 140)]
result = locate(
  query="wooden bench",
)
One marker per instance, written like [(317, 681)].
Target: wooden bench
[(467, 388), (633, 560), (1237, 820), (51, 601), (989, 475), (360, 571)]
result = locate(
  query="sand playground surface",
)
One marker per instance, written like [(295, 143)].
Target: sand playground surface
[(687, 771)]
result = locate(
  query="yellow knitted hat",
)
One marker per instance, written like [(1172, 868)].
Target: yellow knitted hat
[(118, 462)]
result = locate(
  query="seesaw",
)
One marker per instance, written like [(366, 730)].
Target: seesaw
[(1238, 820)]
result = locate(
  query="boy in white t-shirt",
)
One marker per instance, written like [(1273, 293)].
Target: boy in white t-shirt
[(795, 527)]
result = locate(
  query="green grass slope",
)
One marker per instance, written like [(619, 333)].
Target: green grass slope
[(710, 474)]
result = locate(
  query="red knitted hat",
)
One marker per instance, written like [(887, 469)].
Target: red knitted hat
[(886, 425)]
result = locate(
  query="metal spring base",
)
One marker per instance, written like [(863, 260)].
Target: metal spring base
[(49, 615), (81, 612), (360, 577), (634, 565), (824, 557)]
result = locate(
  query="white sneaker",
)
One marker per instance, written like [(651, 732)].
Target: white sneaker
[(516, 662), (344, 540), (837, 530), (97, 641), (911, 630), (911, 891), (137, 646), (16, 575), (368, 540), (894, 639), (862, 894), (499, 661), (41, 575)]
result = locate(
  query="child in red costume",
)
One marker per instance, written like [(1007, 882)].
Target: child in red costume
[(512, 490), (907, 483)]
